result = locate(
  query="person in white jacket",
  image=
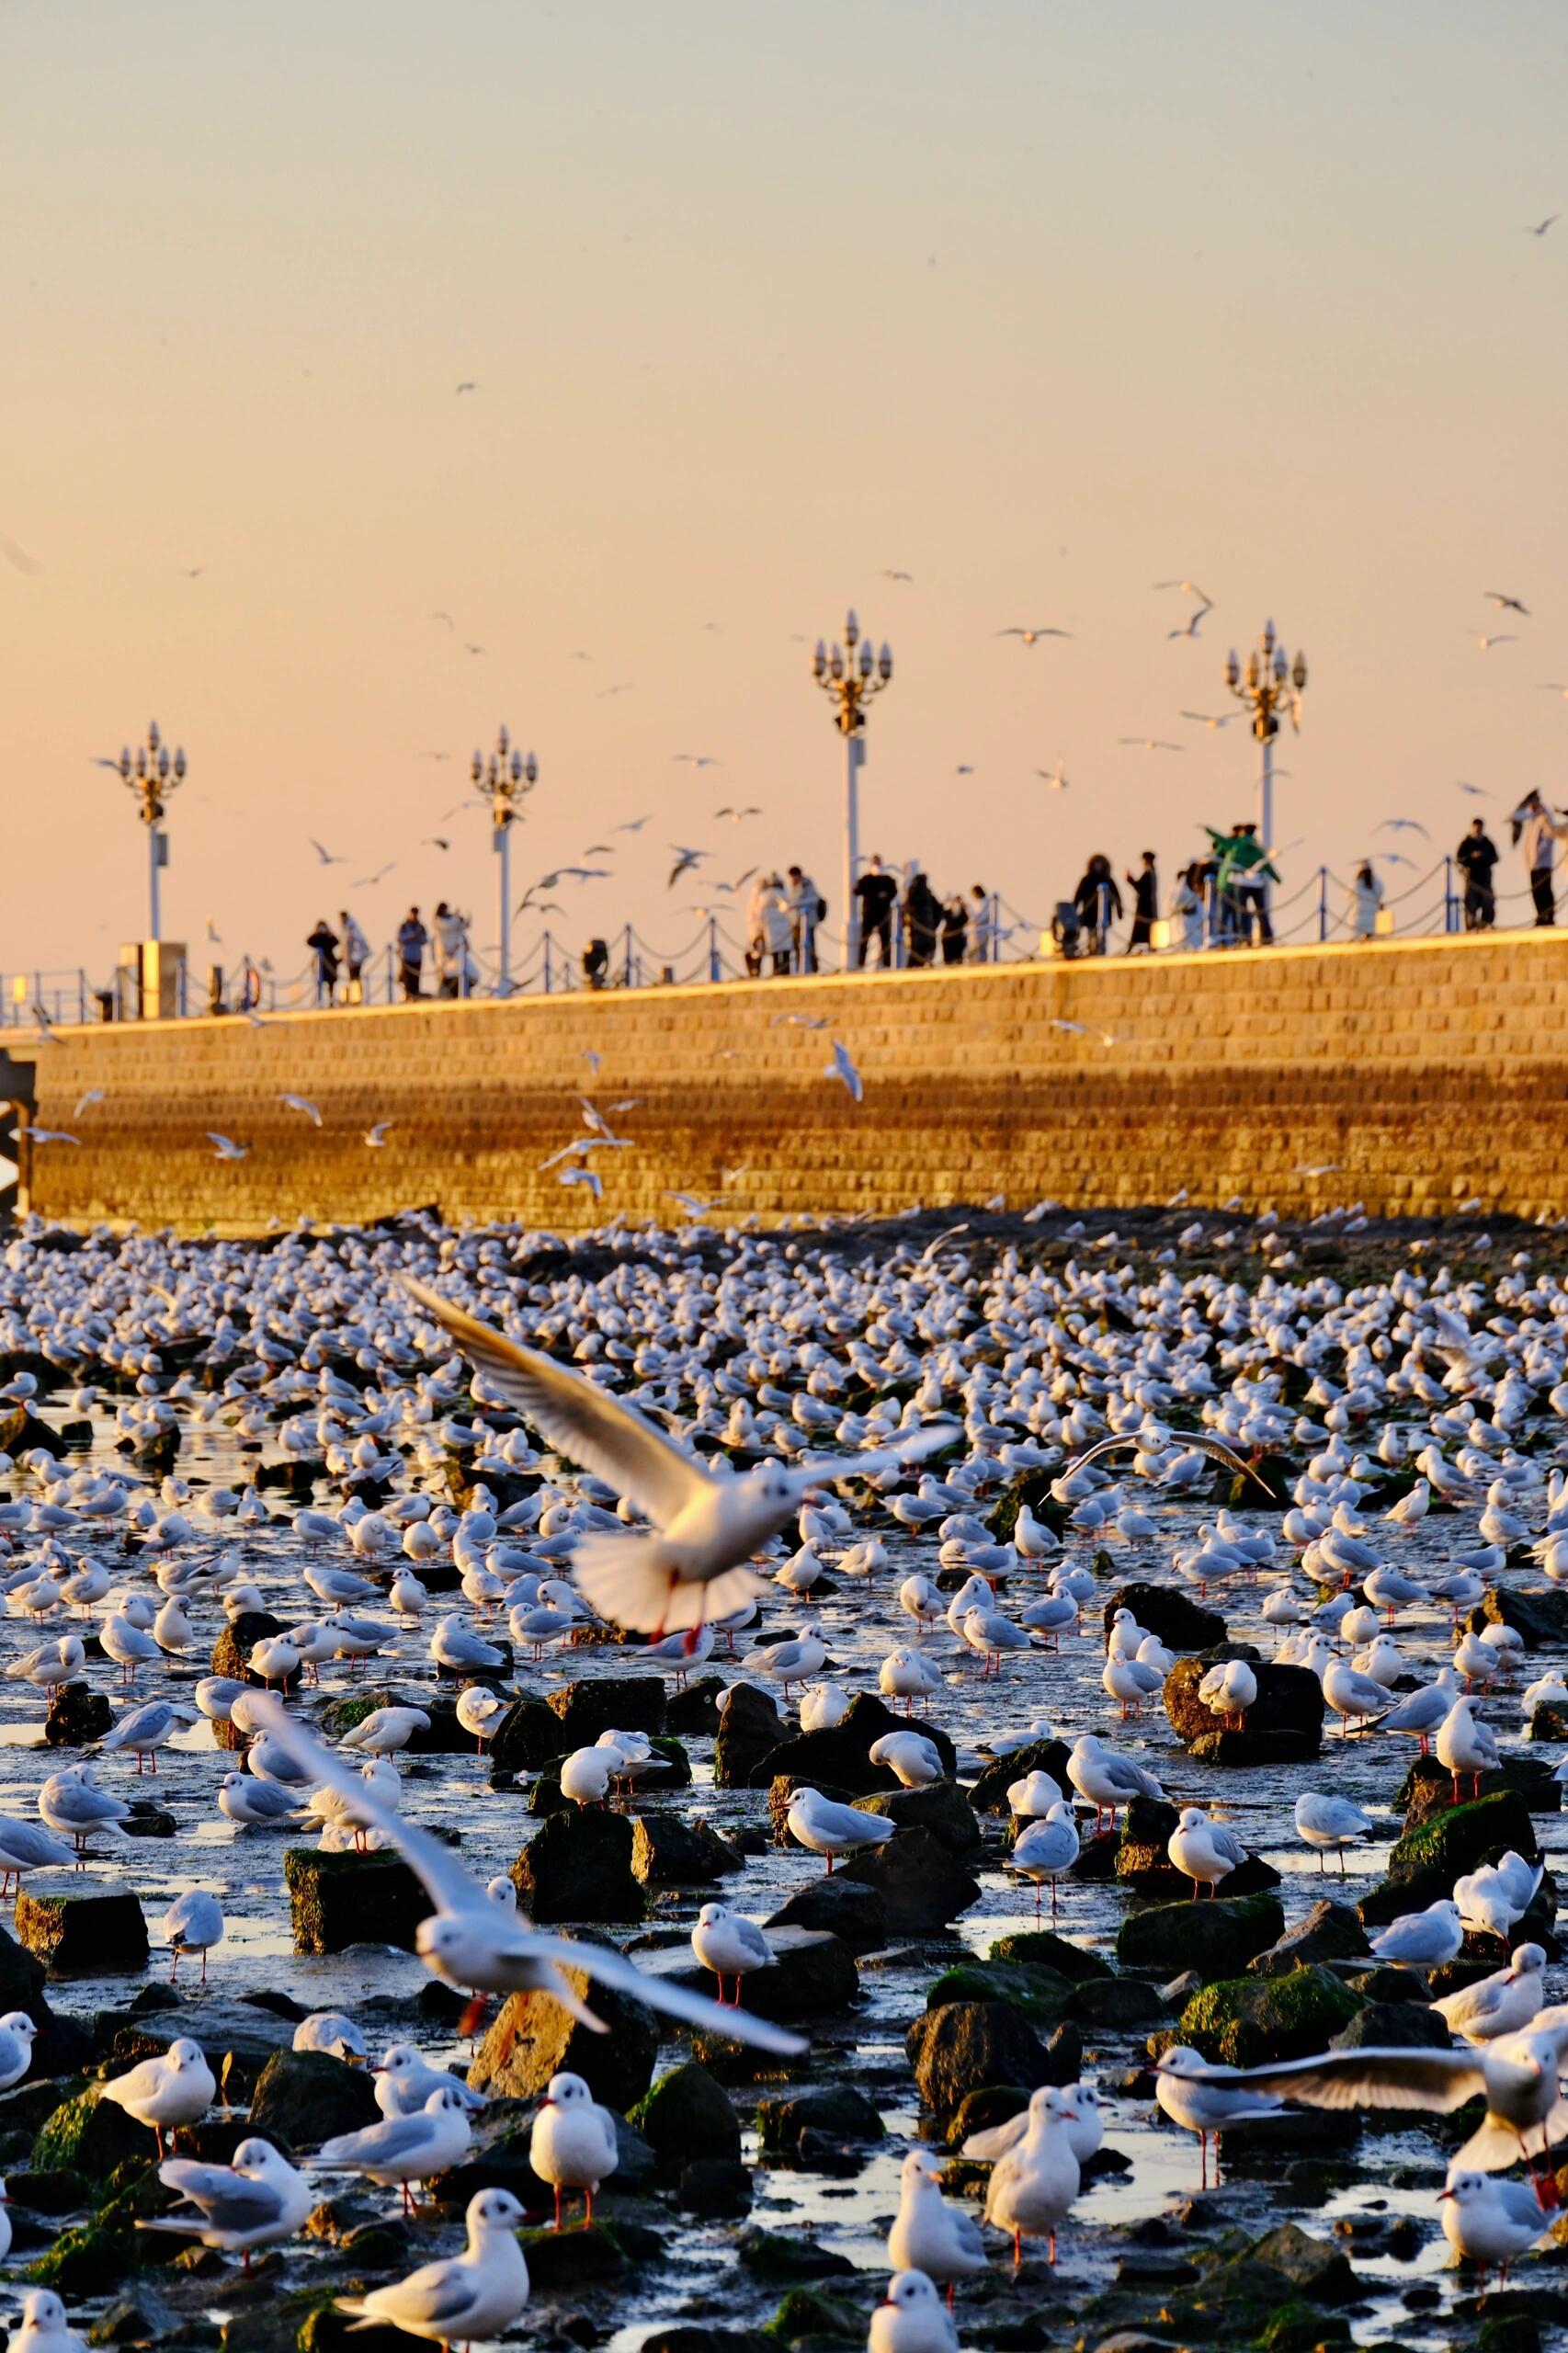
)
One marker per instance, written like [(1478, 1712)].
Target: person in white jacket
[(1537, 832), (355, 954), (770, 926), (1366, 902)]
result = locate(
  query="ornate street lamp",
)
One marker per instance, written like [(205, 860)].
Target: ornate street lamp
[(506, 776), (851, 675), (152, 776), (1271, 683)]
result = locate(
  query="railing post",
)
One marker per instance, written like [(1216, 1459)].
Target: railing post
[(993, 916), (1449, 923), (713, 971), (1322, 903), (626, 959)]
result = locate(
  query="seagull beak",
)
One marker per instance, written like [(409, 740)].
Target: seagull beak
[(1444, 2193)]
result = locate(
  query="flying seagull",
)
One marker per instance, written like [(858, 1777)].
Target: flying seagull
[(1506, 604), (1033, 636), (301, 1103), (1539, 228), (326, 856)]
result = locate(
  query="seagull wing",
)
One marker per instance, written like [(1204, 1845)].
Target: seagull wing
[(826, 1468), (430, 2302), (610, 1968), (230, 2200), (395, 2138), (1210, 1446), (584, 1421), (1378, 2076), (988, 2146)]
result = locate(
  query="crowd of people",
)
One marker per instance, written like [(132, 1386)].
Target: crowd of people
[(899, 919), (342, 955)]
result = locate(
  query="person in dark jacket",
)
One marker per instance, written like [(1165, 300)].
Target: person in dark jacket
[(1099, 902), (412, 939), (1477, 854), (1145, 888), (323, 944), (922, 920), (877, 895), (955, 928)]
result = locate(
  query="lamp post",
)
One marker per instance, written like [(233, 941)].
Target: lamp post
[(506, 776), (152, 776), (851, 675), (1271, 683)]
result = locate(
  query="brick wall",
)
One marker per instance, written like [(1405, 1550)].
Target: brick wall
[(1427, 1071)]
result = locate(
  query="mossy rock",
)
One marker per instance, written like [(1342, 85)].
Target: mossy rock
[(86, 2261), (578, 1867), (1432, 1855), (1218, 1938), (91, 2135), (336, 1900), (687, 2114), (1040, 1995), (1297, 2327), (1248, 2021), (563, 2260), (806, 2313), (1046, 1950), (80, 1929)]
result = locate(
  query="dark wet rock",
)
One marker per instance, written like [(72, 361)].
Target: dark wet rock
[(1165, 1612), (920, 1885), (1403, 2025), (714, 2190), (527, 1736), (982, 2111), (86, 2261), (830, 2112), (854, 1914), (1098, 1854), (687, 2114), (1064, 2054), (780, 2259), (231, 1652), (1331, 1931), (1540, 1619), (1048, 1951), (1427, 1788), (839, 1758), (1284, 1725), (303, 2097), (694, 1711), (563, 2260), (1248, 2022), (608, 1703), (807, 2316), (964, 2045), (989, 1794), (1117, 2004), (1037, 1994), (336, 1900), (816, 1977), (691, 2336), (1313, 2267), (78, 1927), (88, 2134), (1428, 1858), (578, 1867), (668, 1852), (1218, 1938), (76, 1715), (749, 1727), (1385, 1986), (21, 1430), (533, 2038), (1548, 1723), (22, 1975), (1141, 1856), (1031, 1487), (941, 1808)]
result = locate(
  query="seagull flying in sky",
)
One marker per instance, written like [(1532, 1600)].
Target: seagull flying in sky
[(1539, 228), (1033, 636), (1210, 719), (1506, 604), (301, 1103), (1501, 638), (685, 860), (326, 856), (1151, 744), (842, 1068), (225, 1148), (1055, 777), (1402, 825)]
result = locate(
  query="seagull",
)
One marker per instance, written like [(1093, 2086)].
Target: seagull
[(1501, 638), (1033, 636), (92, 1095), (737, 816), (1330, 1825), (301, 1103), (376, 1137), (467, 385), (16, 2033), (1496, 597), (841, 1067), (911, 2318), (1488, 2221), (898, 575), (254, 2201), (694, 759), (574, 2144), (685, 860), (1210, 719), (1151, 744), (929, 2234), (1495, 2005), (1205, 2099), (49, 1135), (1055, 777), (1539, 228), (178, 2088), (326, 856), (828, 1828), (1190, 627), (459, 2300), (730, 1945), (694, 1567), (1422, 1939), (43, 2328), (402, 2150), (1402, 825), (225, 1148), (472, 1941), (1188, 587)]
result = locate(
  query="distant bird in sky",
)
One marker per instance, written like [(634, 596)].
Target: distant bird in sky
[(100, 762), (1402, 825), (898, 575), (1151, 744), (92, 1095), (469, 648), (580, 654), (1506, 604), (1190, 627), (1475, 791), (842, 1068), (798, 1020), (225, 1148), (1033, 636), (1210, 719), (326, 856), (685, 859), (599, 850), (51, 1135), (1555, 687), (435, 841), (467, 385), (589, 1176), (623, 688), (17, 557), (1503, 638), (192, 571), (375, 1137), (451, 625), (438, 755), (632, 824), (1055, 777), (1539, 228), (368, 881), (696, 759), (301, 1103), (213, 934), (1394, 858), (963, 768), (737, 816), (1188, 588)]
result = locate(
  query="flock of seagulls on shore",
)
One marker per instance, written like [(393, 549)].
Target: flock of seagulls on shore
[(709, 1440)]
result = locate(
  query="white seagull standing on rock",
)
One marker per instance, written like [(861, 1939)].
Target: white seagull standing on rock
[(459, 2300), (828, 1828)]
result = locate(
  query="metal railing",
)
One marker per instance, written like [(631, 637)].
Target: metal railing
[(1323, 908)]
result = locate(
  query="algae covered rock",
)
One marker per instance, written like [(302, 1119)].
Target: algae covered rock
[(1429, 1858), (578, 1866), (922, 1886), (303, 2097), (336, 1900), (1331, 1931), (80, 1927), (1248, 2021), (532, 2038), (606, 1703), (963, 2046), (1048, 1951), (88, 2135), (687, 2114), (941, 1808), (1283, 1726), (1219, 1938), (1038, 1994)]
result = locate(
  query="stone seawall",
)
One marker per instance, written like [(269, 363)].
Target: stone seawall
[(1412, 1075)]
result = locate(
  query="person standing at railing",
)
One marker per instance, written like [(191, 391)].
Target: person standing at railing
[(922, 920), (1366, 902), (323, 944), (356, 955), (955, 928), (1537, 834), (877, 892), (412, 941), (451, 949), (807, 908), (982, 929), (1145, 888), (1099, 902), (1250, 871), (1187, 905), (1477, 854), (771, 929)]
